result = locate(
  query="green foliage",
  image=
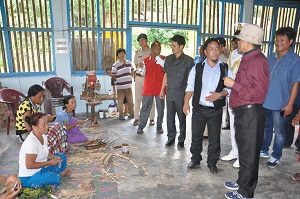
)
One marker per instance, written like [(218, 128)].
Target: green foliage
[(162, 35)]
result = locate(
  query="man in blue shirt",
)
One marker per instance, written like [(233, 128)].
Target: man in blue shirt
[(201, 56), (206, 85), (282, 92)]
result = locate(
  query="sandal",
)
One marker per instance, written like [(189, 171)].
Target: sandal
[(151, 123), (136, 122), (295, 176)]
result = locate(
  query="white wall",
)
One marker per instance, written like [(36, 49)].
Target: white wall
[(63, 66)]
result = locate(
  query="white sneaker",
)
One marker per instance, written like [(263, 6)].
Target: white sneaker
[(236, 164), (228, 157)]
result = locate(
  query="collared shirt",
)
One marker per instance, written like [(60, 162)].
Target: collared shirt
[(123, 74), (283, 73), (177, 71), (210, 81), (140, 55), (153, 76), (234, 61), (252, 80), (198, 59)]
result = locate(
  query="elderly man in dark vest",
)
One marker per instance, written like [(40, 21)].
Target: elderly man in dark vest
[(207, 87)]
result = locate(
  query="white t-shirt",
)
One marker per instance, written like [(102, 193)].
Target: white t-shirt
[(32, 146)]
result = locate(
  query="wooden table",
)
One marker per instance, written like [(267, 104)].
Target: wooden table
[(92, 104)]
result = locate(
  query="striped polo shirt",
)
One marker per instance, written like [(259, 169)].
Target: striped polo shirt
[(123, 73)]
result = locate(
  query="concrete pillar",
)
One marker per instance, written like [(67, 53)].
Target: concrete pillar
[(60, 25), (248, 11)]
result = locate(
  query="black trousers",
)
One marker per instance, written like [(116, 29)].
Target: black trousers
[(249, 132), (289, 129), (213, 119), (174, 107)]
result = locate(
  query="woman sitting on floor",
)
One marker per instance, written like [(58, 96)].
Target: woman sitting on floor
[(57, 137), (66, 118), (38, 167), (12, 187)]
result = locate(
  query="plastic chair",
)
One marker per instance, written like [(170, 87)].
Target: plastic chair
[(12, 98), (54, 87)]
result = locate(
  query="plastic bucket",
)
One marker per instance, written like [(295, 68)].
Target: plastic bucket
[(112, 110)]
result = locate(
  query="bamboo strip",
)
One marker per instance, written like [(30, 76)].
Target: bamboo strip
[(210, 17), (232, 19), (192, 12), (15, 58), (182, 10), (132, 10), (122, 156), (73, 37), (43, 37), (120, 166), (48, 35), (3, 53), (145, 10), (103, 15), (177, 7), (26, 40), (37, 47), (163, 11), (133, 164), (204, 14), (116, 14), (187, 11), (139, 10), (20, 48), (196, 13), (145, 171), (157, 11), (93, 34), (122, 16), (172, 5), (151, 11), (88, 57)]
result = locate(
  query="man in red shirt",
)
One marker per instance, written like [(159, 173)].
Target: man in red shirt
[(152, 70)]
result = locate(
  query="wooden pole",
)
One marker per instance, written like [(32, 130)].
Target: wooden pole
[(36, 39)]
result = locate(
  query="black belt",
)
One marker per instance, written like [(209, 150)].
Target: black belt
[(206, 107), (243, 107)]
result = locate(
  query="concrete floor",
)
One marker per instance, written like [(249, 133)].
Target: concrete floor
[(168, 175)]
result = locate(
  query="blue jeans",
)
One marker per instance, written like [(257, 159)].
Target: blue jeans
[(274, 120)]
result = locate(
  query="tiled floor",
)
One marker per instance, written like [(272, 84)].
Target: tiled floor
[(168, 176)]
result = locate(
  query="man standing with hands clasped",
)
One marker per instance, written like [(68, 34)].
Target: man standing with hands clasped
[(206, 85), (248, 92)]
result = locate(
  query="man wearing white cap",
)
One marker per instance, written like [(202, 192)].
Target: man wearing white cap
[(248, 92)]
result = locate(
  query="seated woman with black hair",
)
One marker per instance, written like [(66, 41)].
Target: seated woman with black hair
[(57, 137), (66, 118), (38, 167)]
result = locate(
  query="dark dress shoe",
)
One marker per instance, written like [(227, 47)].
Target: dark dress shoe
[(170, 142), (213, 168), (180, 144), (193, 165)]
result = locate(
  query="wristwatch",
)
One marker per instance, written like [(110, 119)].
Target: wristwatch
[(221, 96)]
